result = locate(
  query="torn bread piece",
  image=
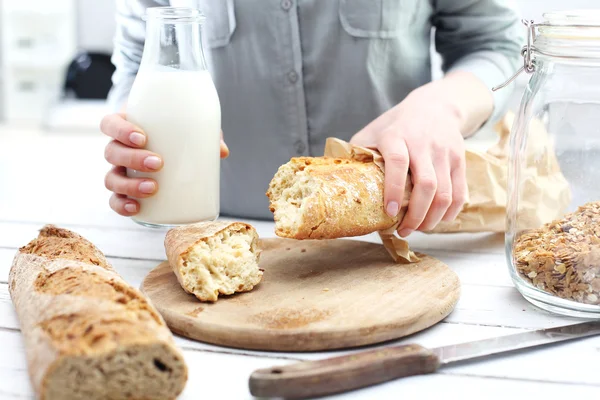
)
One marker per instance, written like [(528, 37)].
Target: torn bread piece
[(328, 198), (212, 258)]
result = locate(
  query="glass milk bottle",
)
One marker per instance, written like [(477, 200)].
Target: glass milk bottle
[(174, 100)]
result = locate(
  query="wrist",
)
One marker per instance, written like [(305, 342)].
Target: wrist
[(442, 99), (462, 95)]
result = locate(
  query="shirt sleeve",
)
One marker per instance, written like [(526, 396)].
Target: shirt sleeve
[(483, 37), (128, 47)]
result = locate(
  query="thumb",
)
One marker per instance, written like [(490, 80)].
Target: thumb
[(224, 148), (364, 138)]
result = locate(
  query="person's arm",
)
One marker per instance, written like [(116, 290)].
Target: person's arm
[(128, 47), (479, 42)]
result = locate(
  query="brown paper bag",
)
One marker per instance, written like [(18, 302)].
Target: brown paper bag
[(545, 193), (544, 196)]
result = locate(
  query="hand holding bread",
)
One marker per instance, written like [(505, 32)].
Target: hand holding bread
[(424, 134)]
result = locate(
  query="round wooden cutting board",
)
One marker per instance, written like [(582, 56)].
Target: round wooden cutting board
[(315, 295)]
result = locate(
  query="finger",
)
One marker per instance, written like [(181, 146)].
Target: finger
[(123, 206), (140, 160), (443, 195), (121, 130), (459, 191), (116, 181), (425, 186), (224, 148), (366, 137), (396, 158)]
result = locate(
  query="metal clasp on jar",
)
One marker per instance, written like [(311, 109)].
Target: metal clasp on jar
[(526, 53)]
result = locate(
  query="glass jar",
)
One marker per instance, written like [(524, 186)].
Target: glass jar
[(553, 211), (174, 100)]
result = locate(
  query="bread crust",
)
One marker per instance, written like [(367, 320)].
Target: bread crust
[(349, 201), (180, 241), (73, 306)]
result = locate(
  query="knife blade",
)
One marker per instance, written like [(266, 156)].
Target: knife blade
[(309, 379)]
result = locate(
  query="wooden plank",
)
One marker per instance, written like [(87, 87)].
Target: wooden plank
[(226, 376), (450, 387), (442, 334), (8, 317), (14, 383), (488, 269), (146, 244), (570, 362), (12, 343), (544, 364), (6, 257), (65, 187), (215, 383), (149, 243), (577, 355), (501, 306)]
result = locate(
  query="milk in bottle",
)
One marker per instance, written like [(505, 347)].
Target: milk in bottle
[(174, 100)]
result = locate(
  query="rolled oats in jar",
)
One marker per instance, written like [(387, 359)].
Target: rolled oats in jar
[(563, 257)]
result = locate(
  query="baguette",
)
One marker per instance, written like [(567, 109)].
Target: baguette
[(328, 198), (212, 258), (87, 333)]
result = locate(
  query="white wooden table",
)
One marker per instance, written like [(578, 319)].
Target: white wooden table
[(59, 179)]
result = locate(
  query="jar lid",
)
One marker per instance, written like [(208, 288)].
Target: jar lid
[(571, 24), (579, 17)]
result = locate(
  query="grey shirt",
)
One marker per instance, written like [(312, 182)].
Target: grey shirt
[(291, 73)]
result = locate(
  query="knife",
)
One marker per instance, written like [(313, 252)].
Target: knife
[(308, 379)]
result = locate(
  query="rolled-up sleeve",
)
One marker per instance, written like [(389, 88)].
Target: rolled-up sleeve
[(483, 37), (128, 47)]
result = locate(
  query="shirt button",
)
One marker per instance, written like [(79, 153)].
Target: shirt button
[(300, 147), (286, 4), (293, 76)]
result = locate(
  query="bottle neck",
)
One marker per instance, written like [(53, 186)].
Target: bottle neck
[(176, 45)]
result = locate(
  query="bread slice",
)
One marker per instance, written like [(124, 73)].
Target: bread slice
[(328, 198), (212, 258), (87, 333)]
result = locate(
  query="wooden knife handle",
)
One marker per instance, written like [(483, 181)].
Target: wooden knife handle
[(343, 373)]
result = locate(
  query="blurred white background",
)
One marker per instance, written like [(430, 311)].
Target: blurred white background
[(55, 67), (55, 63)]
